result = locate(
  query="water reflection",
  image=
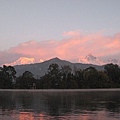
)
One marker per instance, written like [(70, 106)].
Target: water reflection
[(51, 105)]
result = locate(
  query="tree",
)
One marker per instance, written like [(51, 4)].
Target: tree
[(78, 76), (54, 75), (45, 82), (26, 81), (65, 72), (103, 80), (90, 76), (113, 71), (7, 76), (71, 83), (27, 74)]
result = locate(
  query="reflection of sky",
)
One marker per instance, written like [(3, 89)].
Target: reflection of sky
[(26, 116), (79, 115), (60, 105), (99, 115)]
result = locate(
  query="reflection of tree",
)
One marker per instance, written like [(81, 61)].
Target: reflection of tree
[(7, 101), (25, 100), (59, 103), (113, 105)]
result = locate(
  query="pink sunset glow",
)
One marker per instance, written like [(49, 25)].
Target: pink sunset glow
[(75, 46)]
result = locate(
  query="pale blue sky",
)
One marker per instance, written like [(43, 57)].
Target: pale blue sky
[(25, 20)]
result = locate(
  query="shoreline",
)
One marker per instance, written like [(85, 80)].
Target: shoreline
[(60, 90)]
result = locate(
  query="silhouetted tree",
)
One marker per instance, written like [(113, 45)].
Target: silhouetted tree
[(45, 82), (90, 76), (54, 75), (7, 76), (113, 71), (103, 80), (25, 81), (78, 76), (71, 83), (65, 72)]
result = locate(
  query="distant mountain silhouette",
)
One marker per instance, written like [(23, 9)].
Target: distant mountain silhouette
[(39, 69), (91, 59)]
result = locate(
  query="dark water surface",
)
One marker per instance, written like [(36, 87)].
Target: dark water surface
[(60, 105)]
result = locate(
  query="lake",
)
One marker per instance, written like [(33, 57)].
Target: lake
[(60, 104)]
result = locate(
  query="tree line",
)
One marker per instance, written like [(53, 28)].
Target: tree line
[(62, 77)]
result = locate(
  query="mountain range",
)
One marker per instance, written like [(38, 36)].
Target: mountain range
[(24, 60), (89, 59), (39, 69)]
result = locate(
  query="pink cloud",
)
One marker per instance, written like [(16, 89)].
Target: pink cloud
[(77, 45)]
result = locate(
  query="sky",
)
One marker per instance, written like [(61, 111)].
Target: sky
[(68, 29)]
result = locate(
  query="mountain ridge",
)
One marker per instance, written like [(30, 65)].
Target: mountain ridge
[(88, 59), (40, 69), (91, 59), (23, 61)]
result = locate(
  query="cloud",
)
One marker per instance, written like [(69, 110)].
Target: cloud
[(7, 57), (72, 33), (75, 46)]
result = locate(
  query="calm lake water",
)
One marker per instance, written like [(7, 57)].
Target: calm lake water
[(60, 105)]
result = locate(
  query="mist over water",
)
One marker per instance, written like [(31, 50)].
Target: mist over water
[(60, 104)]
